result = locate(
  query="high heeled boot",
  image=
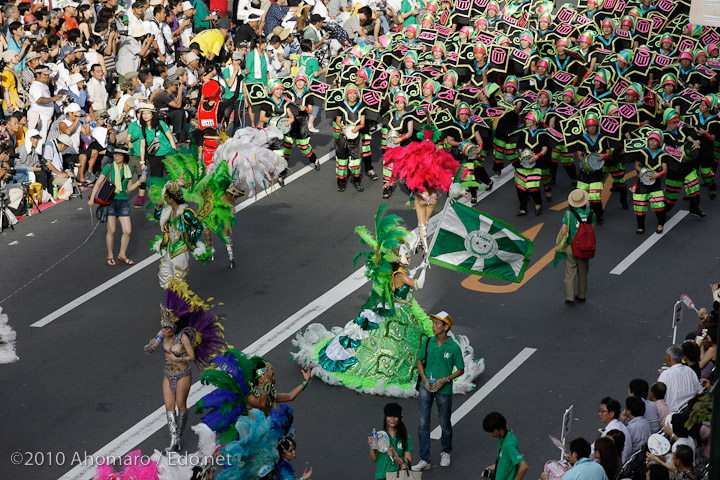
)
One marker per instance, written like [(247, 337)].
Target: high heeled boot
[(173, 427), (181, 420)]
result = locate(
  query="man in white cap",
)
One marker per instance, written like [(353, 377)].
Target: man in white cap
[(578, 213), (436, 360), (183, 33), (29, 160), (132, 49), (41, 103), (192, 61)]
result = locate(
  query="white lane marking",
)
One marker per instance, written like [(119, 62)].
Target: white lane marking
[(154, 257), (486, 389), (647, 244), (96, 291), (13, 243), (156, 420)]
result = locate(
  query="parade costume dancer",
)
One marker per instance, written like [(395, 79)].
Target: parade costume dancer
[(651, 163), (243, 383), (209, 121), (589, 179), (348, 149), (301, 105), (181, 226), (682, 173), (397, 131), (425, 169), (191, 331), (707, 125), (532, 146), (376, 352)]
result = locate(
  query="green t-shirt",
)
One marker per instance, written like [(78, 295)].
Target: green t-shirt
[(150, 133), (109, 173), (311, 65), (201, 12), (508, 457), (135, 133), (574, 224), (441, 361), (227, 75), (404, 8), (384, 465)]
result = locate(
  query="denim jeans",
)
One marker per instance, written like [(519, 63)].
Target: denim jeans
[(444, 406)]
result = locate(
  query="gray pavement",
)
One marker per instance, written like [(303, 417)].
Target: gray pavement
[(83, 379)]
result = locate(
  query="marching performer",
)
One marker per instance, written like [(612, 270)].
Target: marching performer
[(682, 173), (398, 126), (532, 147), (301, 105), (590, 178), (348, 149), (651, 165)]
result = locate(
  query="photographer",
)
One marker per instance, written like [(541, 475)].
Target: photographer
[(17, 42), (29, 160), (132, 49), (42, 105), (58, 156), (170, 101)]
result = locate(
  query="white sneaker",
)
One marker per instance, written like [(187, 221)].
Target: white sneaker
[(444, 459), (421, 466), (313, 129)]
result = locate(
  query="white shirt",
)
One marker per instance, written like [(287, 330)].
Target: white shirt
[(321, 9), (75, 135), (39, 90), (627, 448), (97, 94), (682, 385), (127, 57)]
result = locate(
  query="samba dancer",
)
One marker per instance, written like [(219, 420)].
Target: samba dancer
[(532, 147), (397, 131), (651, 165), (348, 149)]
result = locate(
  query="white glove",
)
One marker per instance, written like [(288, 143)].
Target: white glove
[(421, 279)]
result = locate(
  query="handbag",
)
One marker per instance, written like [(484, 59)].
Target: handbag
[(105, 192), (406, 474), (153, 146)]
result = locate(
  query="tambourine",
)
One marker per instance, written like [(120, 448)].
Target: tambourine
[(469, 149), (281, 122), (525, 157), (593, 162), (509, 98), (351, 134), (392, 139)]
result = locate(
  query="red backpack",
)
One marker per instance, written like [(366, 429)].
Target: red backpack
[(583, 244)]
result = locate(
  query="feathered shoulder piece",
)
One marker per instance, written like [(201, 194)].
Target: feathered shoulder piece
[(186, 173), (198, 320), (389, 236), (422, 165)]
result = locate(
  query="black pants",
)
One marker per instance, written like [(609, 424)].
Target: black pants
[(155, 166), (177, 118), (523, 196)]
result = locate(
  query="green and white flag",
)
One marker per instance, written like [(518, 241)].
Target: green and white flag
[(473, 242)]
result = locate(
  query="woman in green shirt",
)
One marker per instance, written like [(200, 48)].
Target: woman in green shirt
[(399, 455), (153, 151), (118, 173)]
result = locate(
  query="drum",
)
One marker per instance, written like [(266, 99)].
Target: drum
[(689, 152), (392, 139), (508, 98), (281, 122), (593, 162), (644, 176), (350, 134), (469, 149), (525, 156)]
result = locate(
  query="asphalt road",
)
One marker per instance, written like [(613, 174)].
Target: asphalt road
[(83, 379)]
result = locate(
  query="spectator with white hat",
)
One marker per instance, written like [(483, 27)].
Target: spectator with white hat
[(183, 33), (41, 103), (76, 89), (11, 98), (32, 60), (132, 48), (57, 156), (29, 156)]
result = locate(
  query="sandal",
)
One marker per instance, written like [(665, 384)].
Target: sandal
[(640, 231), (125, 260), (111, 261), (659, 229), (520, 213)]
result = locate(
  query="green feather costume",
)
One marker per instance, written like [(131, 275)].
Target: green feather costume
[(376, 352)]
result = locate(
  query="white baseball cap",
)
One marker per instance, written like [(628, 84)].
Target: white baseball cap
[(187, 6), (65, 138), (73, 107)]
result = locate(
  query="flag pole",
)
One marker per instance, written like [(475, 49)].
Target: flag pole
[(437, 229)]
